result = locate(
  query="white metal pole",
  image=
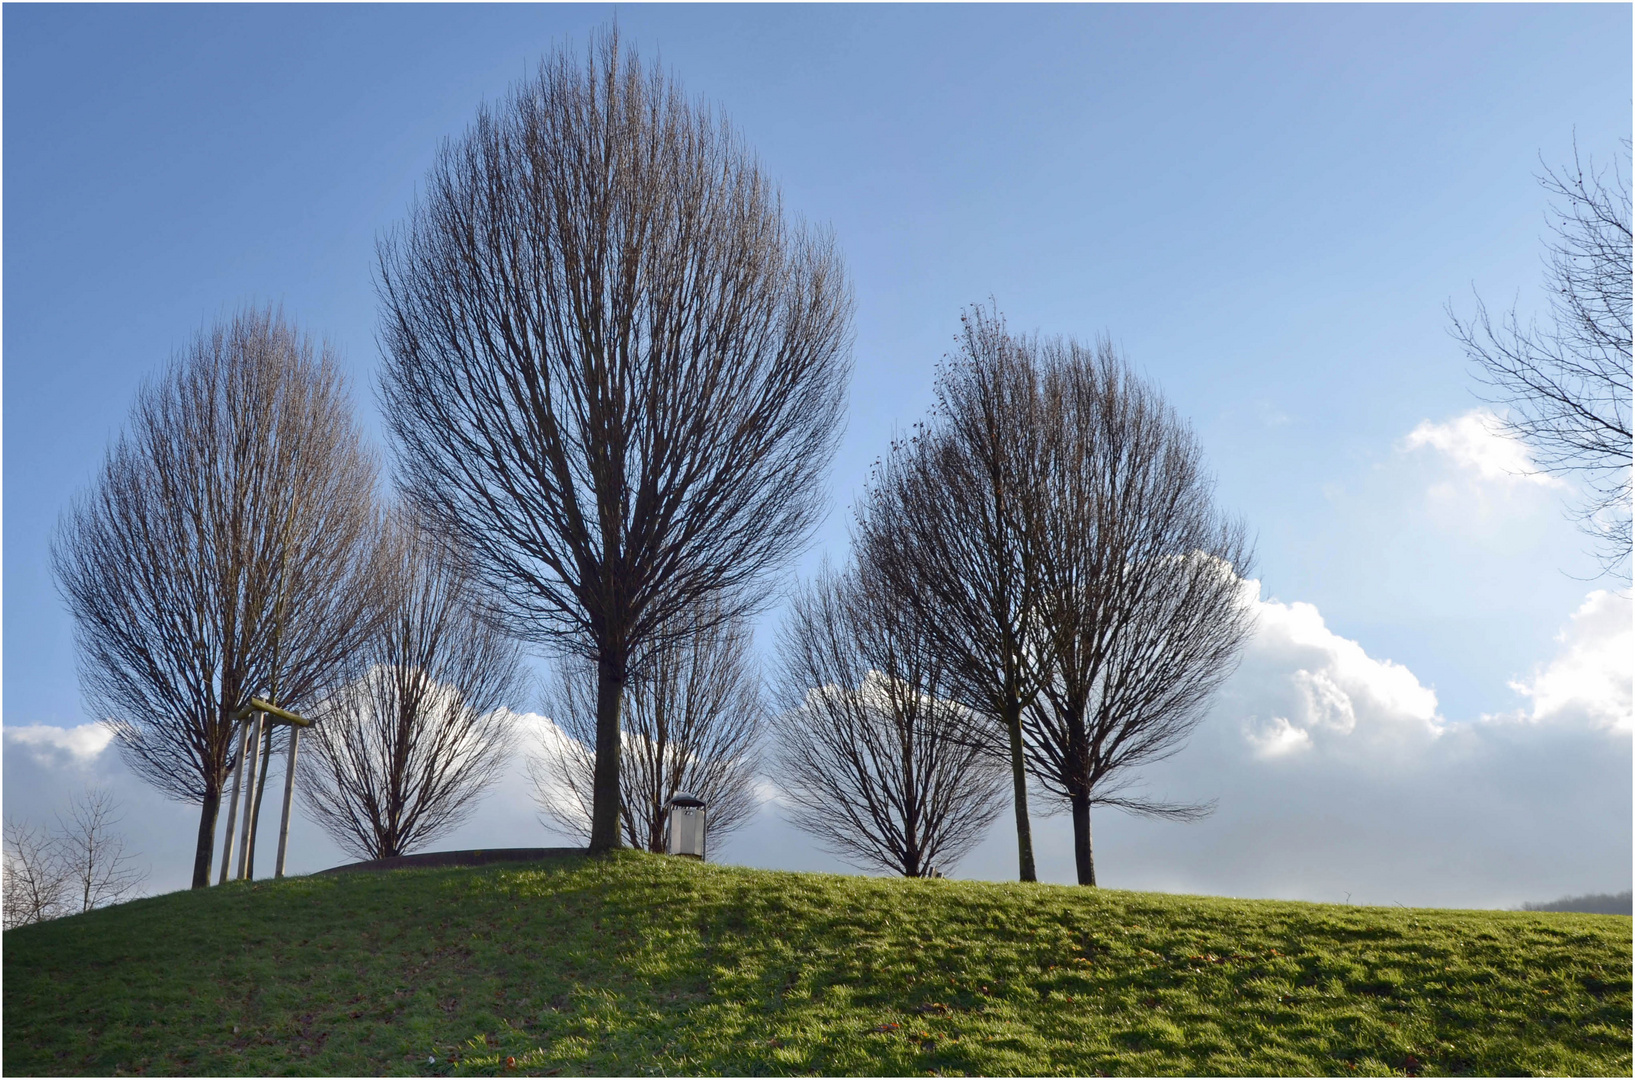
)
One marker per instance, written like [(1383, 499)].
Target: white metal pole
[(232, 804), (249, 798), (289, 793)]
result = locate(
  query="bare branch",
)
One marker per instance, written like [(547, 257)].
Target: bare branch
[(401, 755), (98, 868), (948, 527), (222, 553), (612, 368), (1052, 529), (1144, 609), (37, 885), (1566, 386), (871, 753)]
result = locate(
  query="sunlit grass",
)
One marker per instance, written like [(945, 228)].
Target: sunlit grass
[(644, 965)]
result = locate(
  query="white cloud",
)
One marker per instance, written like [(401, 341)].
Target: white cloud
[(1338, 778), (1301, 686), (1590, 679), (82, 745), (537, 733), (769, 793), (1476, 442), (1275, 736)]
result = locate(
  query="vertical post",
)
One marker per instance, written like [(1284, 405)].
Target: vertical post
[(249, 797), (289, 793), (264, 759), (232, 804)]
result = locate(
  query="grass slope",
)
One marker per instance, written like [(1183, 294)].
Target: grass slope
[(638, 964)]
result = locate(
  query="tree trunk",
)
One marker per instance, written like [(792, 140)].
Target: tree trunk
[(655, 831), (207, 837), (604, 813), (1082, 855), (1019, 795)]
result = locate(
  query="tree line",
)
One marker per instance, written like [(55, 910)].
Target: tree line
[(613, 379)]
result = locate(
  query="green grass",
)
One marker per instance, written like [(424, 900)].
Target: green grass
[(637, 964)]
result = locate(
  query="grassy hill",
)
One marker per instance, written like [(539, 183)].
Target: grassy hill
[(638, 964)]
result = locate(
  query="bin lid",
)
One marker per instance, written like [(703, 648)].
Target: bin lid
[(683, 799)]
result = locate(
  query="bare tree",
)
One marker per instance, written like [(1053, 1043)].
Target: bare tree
[(1144, 612), (872, 753), (612, 368), (693, 722), (222, 553), (36, 883), (949, 526), (401, 755), (98, 868), (1567, 385)]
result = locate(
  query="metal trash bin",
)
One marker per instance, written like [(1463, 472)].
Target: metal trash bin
[(685, 832)]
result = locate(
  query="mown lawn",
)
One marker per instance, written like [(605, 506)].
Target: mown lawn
[(637, 964)]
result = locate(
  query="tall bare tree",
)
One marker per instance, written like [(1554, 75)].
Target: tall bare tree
[(1144, 612), (1567, 385), (693, 721), (37, 885), (949, 525), (223, 552), (872, 753), (402, 754), (612, 367), (98, 867)]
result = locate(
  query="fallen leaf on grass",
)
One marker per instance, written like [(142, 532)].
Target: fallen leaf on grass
[(886, 1027)]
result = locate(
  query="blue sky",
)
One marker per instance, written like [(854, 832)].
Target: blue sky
[(1267, 208)]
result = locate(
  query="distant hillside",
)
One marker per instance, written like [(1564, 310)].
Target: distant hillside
[(1590, 903), (639, 964)]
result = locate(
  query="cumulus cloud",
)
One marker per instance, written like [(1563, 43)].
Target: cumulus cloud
[(81, 745), (1301, 686), (1590, 679), (537, 733), (1476, 443), (1339, 777)]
